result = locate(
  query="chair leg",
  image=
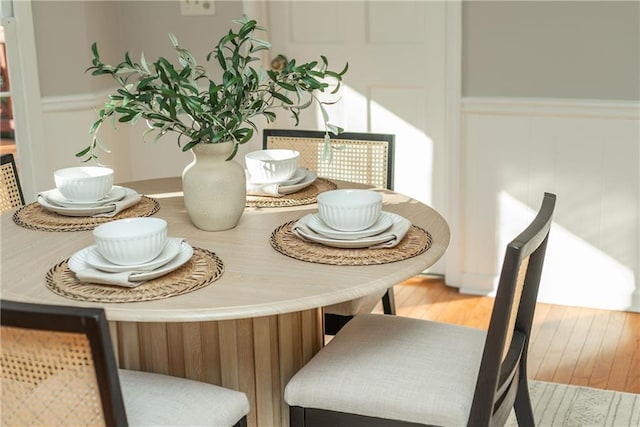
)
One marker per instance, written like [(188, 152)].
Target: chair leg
[(389, 302), (242, 422), (296, 416), (522, 404), (334, 322)]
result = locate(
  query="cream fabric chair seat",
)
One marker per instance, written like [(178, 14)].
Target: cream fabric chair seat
[(161, 400), (401, 378)]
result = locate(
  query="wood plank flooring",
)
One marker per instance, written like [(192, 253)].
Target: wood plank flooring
[(569, 345)]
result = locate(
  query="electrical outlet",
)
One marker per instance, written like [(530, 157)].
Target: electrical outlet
[(196, 7)]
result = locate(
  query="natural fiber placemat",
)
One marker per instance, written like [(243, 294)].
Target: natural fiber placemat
[(415, 242), (306, 196), (202, 269), (36, 217)]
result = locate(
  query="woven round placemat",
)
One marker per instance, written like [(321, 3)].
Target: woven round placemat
[(35, 217), (202, 269), (415, 242), (306, 196)]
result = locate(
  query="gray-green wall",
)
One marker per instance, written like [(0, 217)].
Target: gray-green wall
[(554, 49), (65, 31)]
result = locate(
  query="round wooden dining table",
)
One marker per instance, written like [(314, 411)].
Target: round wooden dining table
[(249, 330)]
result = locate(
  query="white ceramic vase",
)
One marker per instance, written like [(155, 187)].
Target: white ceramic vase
[(214, 187)]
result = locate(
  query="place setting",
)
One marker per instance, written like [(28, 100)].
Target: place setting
[(83, 198), (274, 179), (350, 228), (133, 259)]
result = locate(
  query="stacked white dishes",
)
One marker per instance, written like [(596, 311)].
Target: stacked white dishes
[(130, 251), (86, 191), (276, 172), (352, 219)]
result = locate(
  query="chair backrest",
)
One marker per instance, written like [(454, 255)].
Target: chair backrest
[(58, 367), (365, 158), (503, 366), (10, 190)]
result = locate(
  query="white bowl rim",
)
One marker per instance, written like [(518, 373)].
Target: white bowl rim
[(257, 155), (65, 172), (346, 199)]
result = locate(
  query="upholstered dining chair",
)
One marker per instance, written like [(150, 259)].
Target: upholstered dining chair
[(58, 368), (397, 371), (364, 158), (10, 190)]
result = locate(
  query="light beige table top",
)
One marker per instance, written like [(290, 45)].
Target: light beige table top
[(257, 281)]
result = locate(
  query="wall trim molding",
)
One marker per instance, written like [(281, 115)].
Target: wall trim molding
[(75, 102), (453, 142), (619, 109)]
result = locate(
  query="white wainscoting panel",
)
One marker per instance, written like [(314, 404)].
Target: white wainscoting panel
[(588, 153), (67, 120)]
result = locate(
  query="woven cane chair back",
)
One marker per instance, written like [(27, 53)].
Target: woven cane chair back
[(54, 366), (10, 190), (56, 369), (364, 158)]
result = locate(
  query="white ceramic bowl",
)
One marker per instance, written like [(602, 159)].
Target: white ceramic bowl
[(349, 210), (84, 183), (131, 241), (272, 165)]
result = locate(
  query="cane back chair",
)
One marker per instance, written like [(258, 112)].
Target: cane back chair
[(364, 158), (10, 190), (59, 369)]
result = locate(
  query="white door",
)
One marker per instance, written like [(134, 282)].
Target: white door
[(396, 78)]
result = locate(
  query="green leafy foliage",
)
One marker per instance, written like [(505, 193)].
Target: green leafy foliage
[(183, 99)]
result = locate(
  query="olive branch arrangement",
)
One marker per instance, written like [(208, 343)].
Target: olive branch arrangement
[(185, 100)]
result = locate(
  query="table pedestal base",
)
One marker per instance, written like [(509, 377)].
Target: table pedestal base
[(257, 356)]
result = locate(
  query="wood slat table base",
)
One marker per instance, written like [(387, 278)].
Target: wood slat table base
[(257, 356)]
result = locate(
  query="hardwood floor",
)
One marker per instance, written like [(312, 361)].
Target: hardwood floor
[(569, 345)]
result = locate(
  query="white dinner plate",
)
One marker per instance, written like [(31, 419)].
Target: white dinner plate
[(78, 262), (383, 223), (309, 178), (363, 242), (298, 176), (81, 211), (171, 249), (54, 196)]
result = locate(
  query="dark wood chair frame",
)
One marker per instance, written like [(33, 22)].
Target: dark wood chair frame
[(93, 323), (334, 322), (8, 158), (502, 380)]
